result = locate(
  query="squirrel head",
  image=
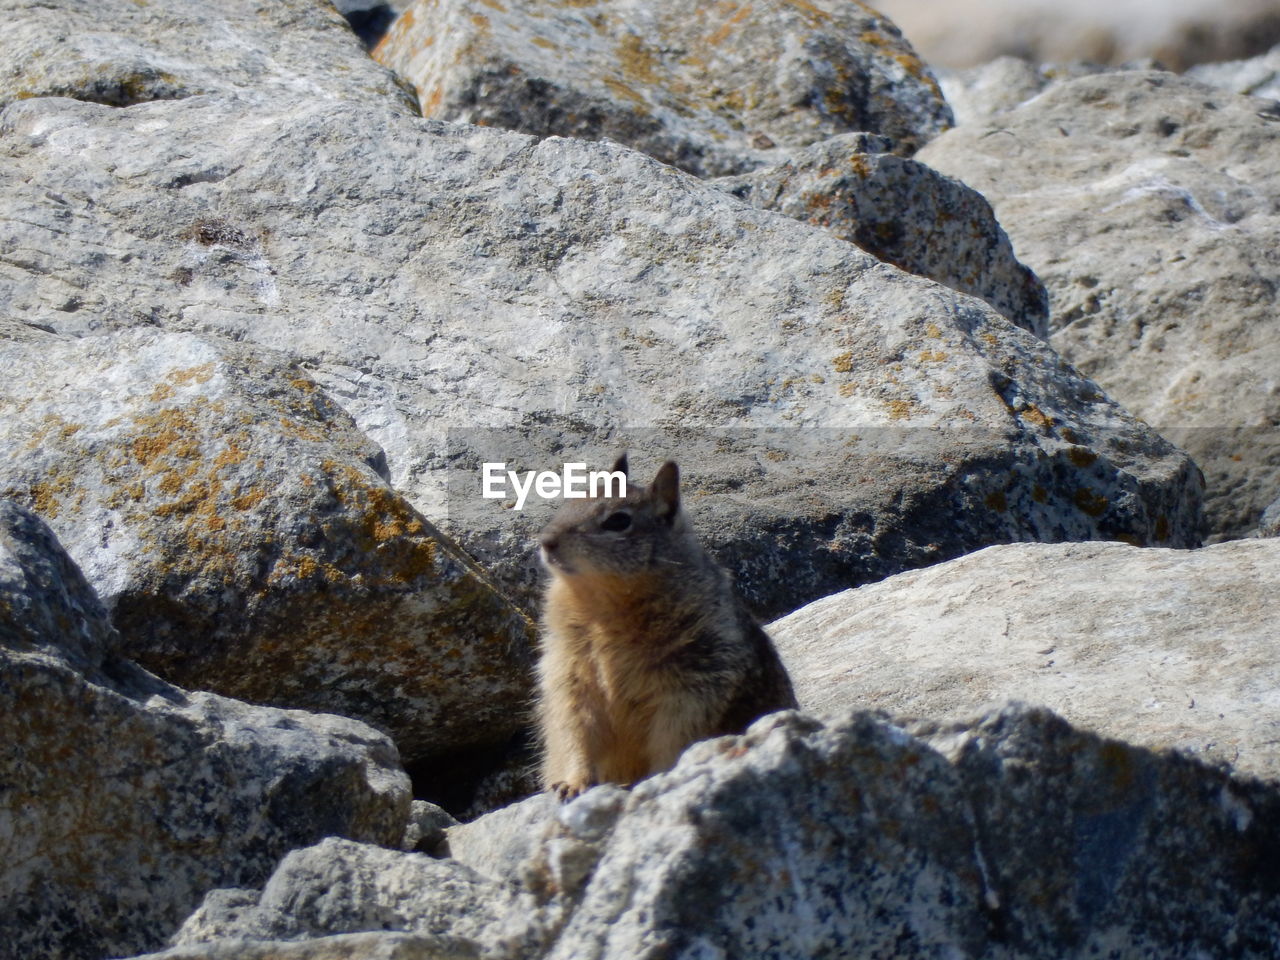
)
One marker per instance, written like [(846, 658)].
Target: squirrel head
[(643, 531)]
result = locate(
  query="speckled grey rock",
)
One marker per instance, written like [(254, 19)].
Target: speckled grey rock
[(712, 89), (1178, 33), (122, 798), (1013, 836), (1257, 77), (474, 295), (338, 886), (497, 843), (1159, 648), (244, 539), (121, 52), (903, 213), (1147, 205), (347, 946)]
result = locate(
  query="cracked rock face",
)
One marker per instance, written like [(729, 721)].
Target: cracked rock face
[(244, 539), (119, 52), (1015, 835), (476, 296), (714, 89), (1147, 205), (1165, 649), (122, 798)]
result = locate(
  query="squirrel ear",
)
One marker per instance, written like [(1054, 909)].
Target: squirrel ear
[(666, 490), (620, 465)]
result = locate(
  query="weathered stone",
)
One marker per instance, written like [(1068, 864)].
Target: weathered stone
[(499, 842), (349, 946), (1147, 205), (119, 52), (338, 886), (981, 94), (243, 536), (712, 89), (1178, 33), (1014, 836), (1159, 648), (472, 295), (903, 213), (427, 826), (123, 799), (1257, 77), (1270, 525)]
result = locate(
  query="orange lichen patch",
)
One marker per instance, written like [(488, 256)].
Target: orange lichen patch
[(200, 374), (163, 391), (295, 428), (638, 60), (843, 363), (494, 5), (233, 455), (1034, 415), (1089, 502), (847, 389), (932, 356), (47, 495), (304, 384), (480, 21), (901, 409), (621, 89), (776, 456), (544, 43), (168, 435), (1081, 456), (814, 15), (726, 28), (933, 330), (860, 165), (249, 500)]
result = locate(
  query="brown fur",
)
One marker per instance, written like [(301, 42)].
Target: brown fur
[(646, 646)]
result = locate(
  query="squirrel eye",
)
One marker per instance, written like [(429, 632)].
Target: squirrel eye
[(618, 520)]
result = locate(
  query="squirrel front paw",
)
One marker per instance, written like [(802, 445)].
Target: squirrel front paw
[(566, 791)]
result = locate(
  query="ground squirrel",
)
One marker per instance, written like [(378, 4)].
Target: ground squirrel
[(645, 644)]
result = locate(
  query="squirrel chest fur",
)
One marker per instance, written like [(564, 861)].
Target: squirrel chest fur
[(646, 646)]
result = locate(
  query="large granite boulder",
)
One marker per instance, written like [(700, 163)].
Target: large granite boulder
[(903, 213), (714, 89), (1014, 836), (1166, 649), (244, 538), (474, 296), (124, 799), (1147, 205), (122, 52)]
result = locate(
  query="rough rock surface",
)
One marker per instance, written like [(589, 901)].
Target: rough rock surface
[(1256, 77), (474, 296), (903, 213), (338, 886), (1015, 836), (1270, 525), (1160, 648), (714, 89), (1147, 205), (244, 539), (122, 798), (121, 52), (1178, 33)]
